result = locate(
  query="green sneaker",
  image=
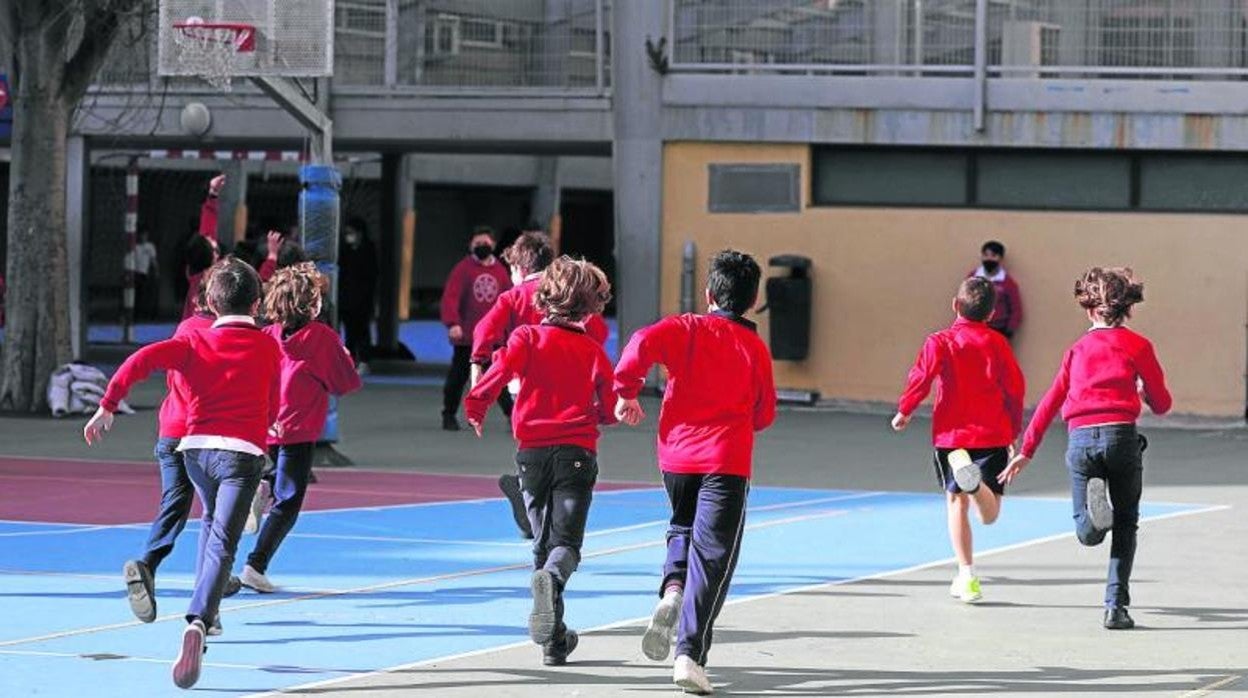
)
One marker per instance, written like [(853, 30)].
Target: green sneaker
[(966, 589)]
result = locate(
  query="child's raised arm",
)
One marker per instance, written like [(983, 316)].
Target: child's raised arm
[(1155, 392), (170, 355), (1047, 409), (919, 380)]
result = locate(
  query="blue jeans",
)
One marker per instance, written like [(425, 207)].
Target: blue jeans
[(1115, 454), (225, 481), (290, 486), (176, 496), (703, 543)]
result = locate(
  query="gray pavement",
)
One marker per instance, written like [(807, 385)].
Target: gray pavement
[(1037, 633)]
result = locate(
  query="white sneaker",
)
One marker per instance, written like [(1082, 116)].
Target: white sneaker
[(657, 641), (256, 581), (966, 588), (965, 471), (256, 512), (691, 677)]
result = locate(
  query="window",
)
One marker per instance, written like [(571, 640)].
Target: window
[(1183, 182), (442, 36), (754, 188), (486, 33), (1098, 181), (360, 18), (896, 176)]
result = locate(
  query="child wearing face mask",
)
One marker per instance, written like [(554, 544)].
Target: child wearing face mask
[(314, 365), (1007, 315), (471, 289)]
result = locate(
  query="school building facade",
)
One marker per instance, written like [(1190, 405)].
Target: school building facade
[(884, 139)]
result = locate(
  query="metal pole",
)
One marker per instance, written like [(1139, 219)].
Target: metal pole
[(599, 48), (981, 62), (132, 242), (391, 69), (918, 35)]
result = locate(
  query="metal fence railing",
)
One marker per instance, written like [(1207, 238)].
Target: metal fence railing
[(1049, 38), (471, 45)]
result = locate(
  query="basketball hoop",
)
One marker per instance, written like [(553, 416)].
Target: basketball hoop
[(215, 51)]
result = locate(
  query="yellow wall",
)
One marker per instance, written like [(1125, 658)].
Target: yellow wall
[(883, 279)]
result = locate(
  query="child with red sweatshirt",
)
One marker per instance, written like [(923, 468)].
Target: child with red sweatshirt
[(720, 391), (175, 485), (1099, 387), (528, 257), (232, 372), (315, 365), (977, 416), (565, 394)]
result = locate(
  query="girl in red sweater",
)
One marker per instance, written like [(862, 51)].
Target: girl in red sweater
[(314, 366), (565, 394), (1099, 387)]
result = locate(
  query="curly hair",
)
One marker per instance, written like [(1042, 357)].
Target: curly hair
[(291, 296), (531, 252), (571, 290), (1109, 292)]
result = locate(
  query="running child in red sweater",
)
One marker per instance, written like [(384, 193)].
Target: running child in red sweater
[(720, 391), (1099, 388), (565, 395), (977, 416), (528, 257), (232, 373), (315, 365), (176, 493)]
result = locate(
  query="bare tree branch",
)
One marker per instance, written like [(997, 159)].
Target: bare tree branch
[(104, 19)]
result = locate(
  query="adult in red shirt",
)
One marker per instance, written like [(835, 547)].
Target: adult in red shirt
[(528, 257), (471, 289), (978, 414), (1099, 387), (720, 391), (1007, 315), (565, 395)]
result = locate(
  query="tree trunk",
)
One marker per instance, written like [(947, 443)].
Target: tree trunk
[(36, 338)]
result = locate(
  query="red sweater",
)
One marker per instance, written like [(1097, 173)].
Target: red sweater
[(1007, 314), (513, 309), (565, 387), (192, 292), (1096, 384), (208, 217), (979, 400), (470, 292), (232, 375), (314, 365), (172, 419), (720, 390)]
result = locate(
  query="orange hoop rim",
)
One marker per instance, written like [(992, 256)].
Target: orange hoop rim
[(244, 35)]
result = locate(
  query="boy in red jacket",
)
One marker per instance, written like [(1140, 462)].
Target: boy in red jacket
[(232, 373), (471, 289), (1099, 387), (720, 391), (175, 485), (528, 257), (315, 365), (977, 416), (565, 394)]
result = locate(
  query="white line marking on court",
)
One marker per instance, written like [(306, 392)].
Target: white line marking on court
[(1229, 680), (56, 532), (41, 523), (108, 657), (731, 602)]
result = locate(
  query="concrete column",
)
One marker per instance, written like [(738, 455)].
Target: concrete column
[(232, 210), (77, 208), (398, 194), (545, 202), (637, 162), (888, 31)]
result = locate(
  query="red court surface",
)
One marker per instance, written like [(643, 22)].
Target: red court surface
[(112, 492)]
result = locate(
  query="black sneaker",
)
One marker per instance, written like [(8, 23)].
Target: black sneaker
[(542, 620), (449, 423), (232, 586), (1117, 618), (510, 485), (1100, 511), (140, 590), (555, 653)]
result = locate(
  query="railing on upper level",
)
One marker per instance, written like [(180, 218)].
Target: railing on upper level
[(556, 47), (1144, 39)]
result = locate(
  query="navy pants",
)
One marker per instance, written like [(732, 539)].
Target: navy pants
[(176, 496), (703, 543), (1114, 453), (290, 486), (225, 481)]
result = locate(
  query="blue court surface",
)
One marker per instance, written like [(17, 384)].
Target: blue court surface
[(371, 588)]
